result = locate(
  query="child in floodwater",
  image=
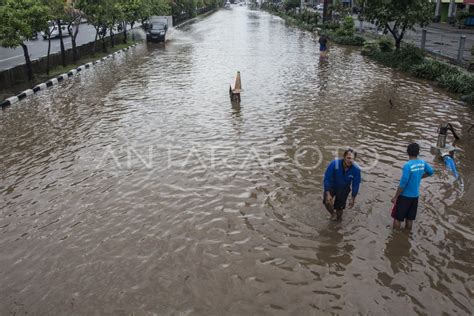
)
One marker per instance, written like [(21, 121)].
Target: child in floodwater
[(323, 42), (406, 198)]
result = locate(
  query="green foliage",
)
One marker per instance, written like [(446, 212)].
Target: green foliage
[(20, 19), (355, 40), (291, 4), (460, 82), (461, 16), (411, 55), (348, 26), (371, 48), (386, 44), (398, 16), (433, 69), (334, 36), (331, 25), (469, 98), (404, 59)]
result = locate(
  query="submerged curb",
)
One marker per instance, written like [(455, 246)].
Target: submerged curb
[(58, 79)]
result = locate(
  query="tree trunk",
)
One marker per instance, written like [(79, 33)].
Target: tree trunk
[(124, 32), (398, 42), (131, 30), (111, 37), (49, 52), (326, 11), (95, 40), (63, 52), (75, 54), (29, 67), (104, 46)]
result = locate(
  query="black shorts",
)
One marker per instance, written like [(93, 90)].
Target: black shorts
[(405, 208), (341, 198)]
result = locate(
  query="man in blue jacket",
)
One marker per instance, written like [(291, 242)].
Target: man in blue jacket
[(406, 198), (340, 176)]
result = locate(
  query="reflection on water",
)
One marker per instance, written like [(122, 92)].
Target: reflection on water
[(397, 251), (137, 187)]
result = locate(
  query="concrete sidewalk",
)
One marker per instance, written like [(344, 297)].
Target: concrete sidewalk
[(445, 27)]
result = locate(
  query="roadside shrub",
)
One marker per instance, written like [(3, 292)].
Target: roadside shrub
[(370, 48), (457, 82), (469, 99), (405, 58), (331, 25), (349, 40), (433, 69), (347, 26), (386, 44), (411, 55), (335, 36)]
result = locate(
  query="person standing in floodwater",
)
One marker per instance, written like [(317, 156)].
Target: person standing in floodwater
[(323, 42), (406, 198), (340, 176)]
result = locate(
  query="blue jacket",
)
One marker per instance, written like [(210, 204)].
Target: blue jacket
[(336, 179)]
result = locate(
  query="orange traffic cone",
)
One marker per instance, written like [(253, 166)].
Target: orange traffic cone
[(238, 83)]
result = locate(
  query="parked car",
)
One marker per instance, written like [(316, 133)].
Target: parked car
[(319, 7), (156, 31), (54, 31)]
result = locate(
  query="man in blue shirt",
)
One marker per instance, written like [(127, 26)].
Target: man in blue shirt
[(406, 199), (340, 175)]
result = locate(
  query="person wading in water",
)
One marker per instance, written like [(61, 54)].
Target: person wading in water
[(341, 175)]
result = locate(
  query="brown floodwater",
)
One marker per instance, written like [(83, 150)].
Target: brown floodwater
[(138, 188)]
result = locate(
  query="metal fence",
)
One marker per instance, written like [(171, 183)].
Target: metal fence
[(455, 45)]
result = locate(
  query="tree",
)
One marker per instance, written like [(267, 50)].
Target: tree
[(73, 18), (57, 13), (55, 9), (131, 14), (360, 13), (20, 19), (398, 16), (96, 14), (113, 16)]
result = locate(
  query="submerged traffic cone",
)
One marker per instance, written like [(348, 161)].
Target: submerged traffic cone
[(234, 92), (238, 83)]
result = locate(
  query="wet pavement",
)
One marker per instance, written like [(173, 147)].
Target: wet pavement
[(138, 188)]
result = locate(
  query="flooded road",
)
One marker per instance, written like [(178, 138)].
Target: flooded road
[(138, 188)]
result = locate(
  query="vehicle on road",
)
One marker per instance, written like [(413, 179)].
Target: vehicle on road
[(319, 7), (54, 31), (156, 30)]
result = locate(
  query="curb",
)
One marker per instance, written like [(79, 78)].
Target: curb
[(54, 81)]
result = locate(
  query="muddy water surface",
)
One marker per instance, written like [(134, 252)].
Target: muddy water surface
[(137, 187)]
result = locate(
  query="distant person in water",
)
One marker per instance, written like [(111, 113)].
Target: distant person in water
[(323, 45), (406, 198), (341, 177)]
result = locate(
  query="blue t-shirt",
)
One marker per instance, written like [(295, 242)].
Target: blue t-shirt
[(336, 178), (412, 173)]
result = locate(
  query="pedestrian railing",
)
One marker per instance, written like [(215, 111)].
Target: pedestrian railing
[(454, 46)]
